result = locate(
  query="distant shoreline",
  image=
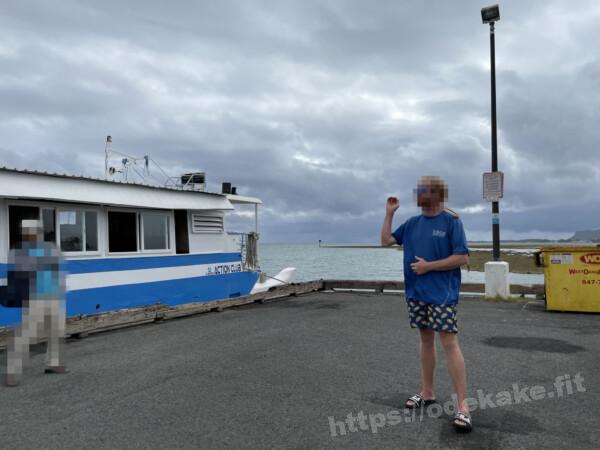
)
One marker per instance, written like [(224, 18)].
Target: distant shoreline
[(472, 245), (483, 245)]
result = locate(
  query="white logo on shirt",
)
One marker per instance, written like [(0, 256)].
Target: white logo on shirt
[(440, 233)]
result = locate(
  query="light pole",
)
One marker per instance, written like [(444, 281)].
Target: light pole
[(491, 15)]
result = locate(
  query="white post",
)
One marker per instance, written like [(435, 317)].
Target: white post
[(496, 280)]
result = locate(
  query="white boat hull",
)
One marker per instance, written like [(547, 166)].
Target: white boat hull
[(284, 277)]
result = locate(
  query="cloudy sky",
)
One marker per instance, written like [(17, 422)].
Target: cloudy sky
[(320, 108)]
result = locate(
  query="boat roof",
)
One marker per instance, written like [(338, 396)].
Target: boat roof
[(37, 185)]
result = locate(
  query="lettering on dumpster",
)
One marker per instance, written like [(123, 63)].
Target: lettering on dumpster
[(590, 258), (586, 271)]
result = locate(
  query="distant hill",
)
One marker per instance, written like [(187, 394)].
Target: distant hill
[(586, 235)]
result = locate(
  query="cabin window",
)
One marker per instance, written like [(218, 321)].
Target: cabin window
[(207, 223), (91, 231), (16, 214), (155, 230), (70, 225), (122, 232), (49, 225), (72, 230), (77, 229), (182, 244)]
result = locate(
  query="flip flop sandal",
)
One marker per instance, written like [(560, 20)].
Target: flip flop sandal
[(417, 402), (463, 428)]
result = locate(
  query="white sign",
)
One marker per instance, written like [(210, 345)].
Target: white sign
[(493, 186), (564, 258)]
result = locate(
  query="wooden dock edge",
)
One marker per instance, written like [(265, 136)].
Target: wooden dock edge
[(83, 325), (387, 285)]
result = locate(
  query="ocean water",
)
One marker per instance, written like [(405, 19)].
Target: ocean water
[(313, 263)]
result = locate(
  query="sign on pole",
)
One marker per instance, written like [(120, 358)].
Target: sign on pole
[(493, 186)]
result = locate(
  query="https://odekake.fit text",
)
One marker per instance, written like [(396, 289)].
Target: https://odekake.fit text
[(517, 394)]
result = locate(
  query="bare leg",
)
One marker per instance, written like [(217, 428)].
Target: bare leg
[(456, 368), (427, 363)]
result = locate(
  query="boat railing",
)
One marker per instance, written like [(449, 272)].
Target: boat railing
[(248, 248)]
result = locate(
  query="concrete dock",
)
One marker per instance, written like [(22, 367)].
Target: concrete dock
[(322, 370)]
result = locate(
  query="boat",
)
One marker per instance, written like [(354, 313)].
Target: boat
[(129, 244)]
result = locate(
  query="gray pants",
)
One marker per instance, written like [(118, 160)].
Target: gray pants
[(43, 318)]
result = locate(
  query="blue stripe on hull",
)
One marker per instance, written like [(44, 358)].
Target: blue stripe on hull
[(171, 292), (75, 266), (149, 262)]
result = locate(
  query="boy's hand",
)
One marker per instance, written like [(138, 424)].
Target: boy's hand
[(392, 205), (420, 267)]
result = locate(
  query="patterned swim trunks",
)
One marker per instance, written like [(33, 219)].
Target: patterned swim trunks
[(432, 316)]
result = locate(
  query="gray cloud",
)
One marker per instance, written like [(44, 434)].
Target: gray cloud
[(321, 108)]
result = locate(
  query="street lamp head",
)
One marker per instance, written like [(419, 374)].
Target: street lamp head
[(490, 14)]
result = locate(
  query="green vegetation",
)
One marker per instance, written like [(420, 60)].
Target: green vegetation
[(517, 262)]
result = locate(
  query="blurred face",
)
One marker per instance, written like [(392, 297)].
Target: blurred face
[(429, 192), (30, 234)]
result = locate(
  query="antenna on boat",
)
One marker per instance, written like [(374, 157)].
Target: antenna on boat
[(107, 152), (194, 181), (127, 162)]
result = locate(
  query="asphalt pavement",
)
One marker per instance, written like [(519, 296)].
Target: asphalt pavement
[(323, 370)]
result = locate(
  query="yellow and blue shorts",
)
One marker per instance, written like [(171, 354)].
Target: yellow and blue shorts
[(432, 316)]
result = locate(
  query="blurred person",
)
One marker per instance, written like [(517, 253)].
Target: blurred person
[(435, 246), (38, 284)]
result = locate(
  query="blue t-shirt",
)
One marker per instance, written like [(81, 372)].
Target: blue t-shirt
[(432, 238)]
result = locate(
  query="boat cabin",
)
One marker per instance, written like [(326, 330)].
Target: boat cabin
[(127, 244)]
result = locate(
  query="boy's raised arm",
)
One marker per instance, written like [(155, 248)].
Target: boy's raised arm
[(391, 206)]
